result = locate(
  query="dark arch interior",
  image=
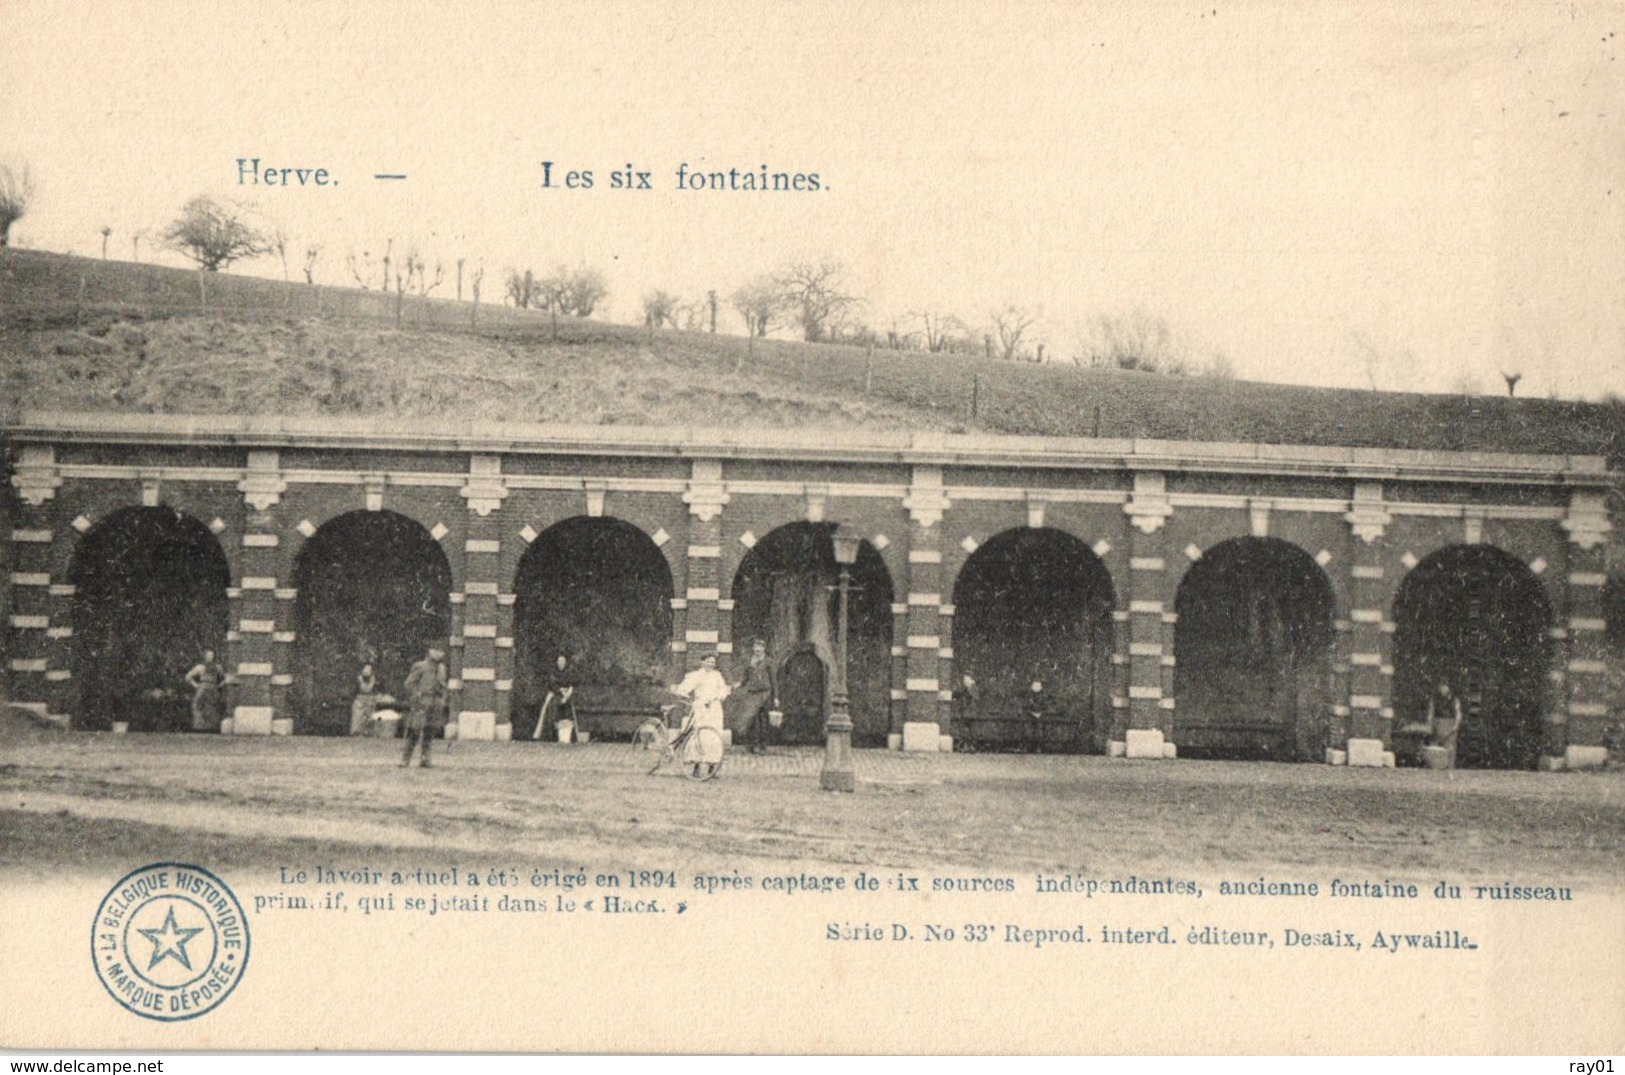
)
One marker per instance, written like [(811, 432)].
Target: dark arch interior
[(1476, 618), (785, 592), (1253, 651), (1035, 605), (599, 591), (150, 598), (373, 586)]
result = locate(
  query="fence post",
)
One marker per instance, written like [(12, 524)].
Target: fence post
[(975, 394), (869, 369)]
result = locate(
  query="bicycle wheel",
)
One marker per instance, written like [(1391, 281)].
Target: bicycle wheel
[(649, 744), (708, 743)]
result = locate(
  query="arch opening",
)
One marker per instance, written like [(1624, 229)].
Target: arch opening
[(149, 600), (1033, 606), (597, 590), (1253, 650), (374, 586), (785, 592), (1476, 618)]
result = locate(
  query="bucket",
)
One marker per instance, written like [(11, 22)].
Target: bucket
[(121, 727), (566, 730), (775, 717), (583, 737)]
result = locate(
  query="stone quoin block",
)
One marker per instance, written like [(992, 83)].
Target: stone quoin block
[(1365, 753), (480, 726), (252, 720), (1577, 757), (1143, 743), (922, 737)]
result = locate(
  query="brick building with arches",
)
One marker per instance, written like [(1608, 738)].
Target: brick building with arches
[(1174, 598)]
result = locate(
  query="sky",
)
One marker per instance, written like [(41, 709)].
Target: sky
[(1416, 196)]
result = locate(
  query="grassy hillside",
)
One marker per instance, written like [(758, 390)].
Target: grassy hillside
[(81, 334)]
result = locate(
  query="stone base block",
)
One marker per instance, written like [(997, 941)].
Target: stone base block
[(947, 744), (728, 737), (282, 726), (226, 726), (1550, 763), (1366, 754), (1388, 760), (503, 733), (1585, 757), (452, 731), (480, 726), (252, 720), (1336, 757), (121, 727), (1144, 743), (922, 736), (894, 741), (1438, 757), (1170, 751), (1116, 748)]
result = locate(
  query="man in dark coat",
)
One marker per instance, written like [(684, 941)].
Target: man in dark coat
[(426, 699), (559, 704), (758, 684)]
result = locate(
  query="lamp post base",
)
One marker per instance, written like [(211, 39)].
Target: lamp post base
[(838, 773)]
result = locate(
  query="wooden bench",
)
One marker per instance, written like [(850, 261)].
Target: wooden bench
[(1058, 735), (1257, 736), (613, 721)]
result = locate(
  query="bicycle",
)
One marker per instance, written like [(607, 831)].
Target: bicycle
[(658, 736)]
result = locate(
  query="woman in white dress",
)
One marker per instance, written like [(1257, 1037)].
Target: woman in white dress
[(705, 688)]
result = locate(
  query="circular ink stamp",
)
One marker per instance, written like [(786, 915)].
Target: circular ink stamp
[(170, 941)]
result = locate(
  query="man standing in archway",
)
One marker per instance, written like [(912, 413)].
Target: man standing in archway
[(426, 697), (758, 684)]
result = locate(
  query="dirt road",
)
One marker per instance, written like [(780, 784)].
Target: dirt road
[(85, 800)]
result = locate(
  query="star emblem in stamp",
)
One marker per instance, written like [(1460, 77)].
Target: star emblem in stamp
[(170, 941)]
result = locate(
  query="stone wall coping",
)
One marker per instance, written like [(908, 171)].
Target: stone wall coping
[(802, 445)]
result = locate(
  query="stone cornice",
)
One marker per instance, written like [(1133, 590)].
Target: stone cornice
[(905, 448)]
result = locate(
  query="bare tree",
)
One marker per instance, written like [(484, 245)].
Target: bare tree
[(814, 293), (660, 308), (760, 303), (475, 280), (1387, 368), (135, 243), (16, 196), (107, 233), (363, 268), (419, 270), (941, 329), (312, 253), (521, 289), (1009, 326), (412, 277), (690, 316), (460, 262), (1138, 341), (584, 289), (575, 292), (278, 238), (214, 234), (711, 303), (1512, 380)]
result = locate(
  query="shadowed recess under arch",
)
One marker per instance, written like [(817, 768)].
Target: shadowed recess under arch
[(150, 598)]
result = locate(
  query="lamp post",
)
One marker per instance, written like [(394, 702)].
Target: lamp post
[(837, 773)]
